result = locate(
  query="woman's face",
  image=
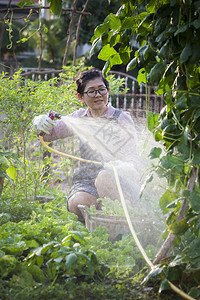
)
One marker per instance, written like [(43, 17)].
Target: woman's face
[(97, 103)]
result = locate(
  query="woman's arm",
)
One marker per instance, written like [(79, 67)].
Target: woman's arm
[(60, 131)]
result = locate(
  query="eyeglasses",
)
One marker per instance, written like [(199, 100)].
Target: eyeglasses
[(102, 91)]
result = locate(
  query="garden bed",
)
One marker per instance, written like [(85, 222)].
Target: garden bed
[(117, 225)]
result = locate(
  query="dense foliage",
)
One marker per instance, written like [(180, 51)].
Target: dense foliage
[(51, 32), (44, 251), (167, 33)]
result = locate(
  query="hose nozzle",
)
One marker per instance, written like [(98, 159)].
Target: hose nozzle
[(54, 115)]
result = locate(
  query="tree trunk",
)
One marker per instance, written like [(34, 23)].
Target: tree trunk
[(169, 240)]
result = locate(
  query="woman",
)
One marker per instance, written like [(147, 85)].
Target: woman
[(93, 181)]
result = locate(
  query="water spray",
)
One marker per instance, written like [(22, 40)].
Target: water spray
[(54, 115)]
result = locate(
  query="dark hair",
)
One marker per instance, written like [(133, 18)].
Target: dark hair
[(86, 76)]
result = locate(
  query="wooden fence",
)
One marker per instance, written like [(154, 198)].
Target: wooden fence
[(137, 100)]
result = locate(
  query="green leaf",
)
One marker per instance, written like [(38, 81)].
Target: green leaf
[(115, 38), (179, 227), (124, 53), (184, 146), (58, 259), (186, 53), (196, 23), (70, 259), (114, 22), (158, 134), (132, 64), (77, 236), (25, 279), (173, 162), (36, 272), (181, 102), (194, 292), (143, 50), (25, 3), (11, 172), (32, 244), (181, 29), (197, 4), (45, 29), (167, 198), (164, 285), (152, 120), (99, 30), (155, 153), (157, 72), (155, 271), (39, 260), (196, 159), (173, 204), (141, 76), (21, 4), (107, 52), (115, 60), (197, 114), (56, 7), (194, 200), (172, 3), (96, 46), (128, 22), (194, 101), (7, 265), (163, 50), (148, 179), (4, 163), (194, 248), (165, 122), (106, 67), (161, 37), (194, 58)]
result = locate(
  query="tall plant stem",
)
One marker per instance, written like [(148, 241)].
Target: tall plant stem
[(169, 240), (71, 24), (24, 166), (78, 31), (3, 26), (1, 184), (41, 50)]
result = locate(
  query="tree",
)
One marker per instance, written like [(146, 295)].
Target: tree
[(168, 33), (55, 37)]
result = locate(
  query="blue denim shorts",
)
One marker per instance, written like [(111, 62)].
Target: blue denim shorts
[(87, 186)]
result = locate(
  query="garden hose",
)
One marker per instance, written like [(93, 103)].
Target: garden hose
[(173, 287), (142, 251), (67, 155)]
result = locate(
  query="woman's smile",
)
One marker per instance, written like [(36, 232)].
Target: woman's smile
[(98, 102)]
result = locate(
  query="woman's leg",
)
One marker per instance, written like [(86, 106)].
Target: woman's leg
[(106, 186), (82, 198)]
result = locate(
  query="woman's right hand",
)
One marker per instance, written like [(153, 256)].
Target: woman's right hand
[(42, 124)]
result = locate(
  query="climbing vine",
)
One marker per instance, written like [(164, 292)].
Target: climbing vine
[(168, 37)]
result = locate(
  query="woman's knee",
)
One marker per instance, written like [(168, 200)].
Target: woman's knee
[(82, 198), (106, 186), (103, 179)]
